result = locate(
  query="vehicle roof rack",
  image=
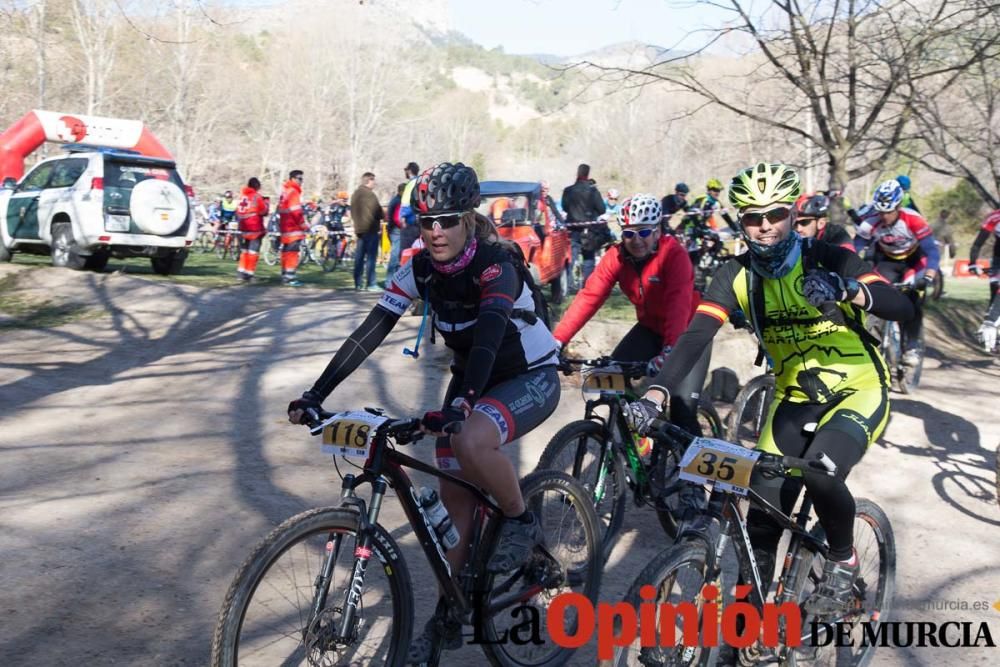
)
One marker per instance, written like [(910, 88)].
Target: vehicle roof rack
[(90, 148)]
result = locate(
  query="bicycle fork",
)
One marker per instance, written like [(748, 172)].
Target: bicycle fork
[(362, 555)]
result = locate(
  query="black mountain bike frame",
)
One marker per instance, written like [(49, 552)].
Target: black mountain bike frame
[(385, 468)]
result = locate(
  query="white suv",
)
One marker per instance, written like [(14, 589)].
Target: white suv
[(92, 204)]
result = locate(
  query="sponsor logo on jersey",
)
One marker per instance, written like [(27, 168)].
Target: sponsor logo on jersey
[(492, 272), (493, 413)]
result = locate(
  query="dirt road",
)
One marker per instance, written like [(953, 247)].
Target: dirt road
[(145, 450)]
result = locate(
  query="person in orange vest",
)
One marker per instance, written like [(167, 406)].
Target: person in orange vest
[(251, 211), (293, 225)]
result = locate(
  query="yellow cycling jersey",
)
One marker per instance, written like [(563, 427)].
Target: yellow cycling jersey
[(817, 355)]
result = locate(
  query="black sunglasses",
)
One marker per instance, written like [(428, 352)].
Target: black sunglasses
[(774, 216), (631, 233), (802, 222), (443, 220)]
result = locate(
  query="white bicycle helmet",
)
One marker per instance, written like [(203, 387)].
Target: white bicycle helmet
[(888, 196), (641, 209)]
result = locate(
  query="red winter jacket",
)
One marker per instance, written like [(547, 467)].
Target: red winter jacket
[(662, 290)]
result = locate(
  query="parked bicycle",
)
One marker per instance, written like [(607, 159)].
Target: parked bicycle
[(227, 243), (608, 457), (680, 572), (340, 247), (307, 594), (270, 248)]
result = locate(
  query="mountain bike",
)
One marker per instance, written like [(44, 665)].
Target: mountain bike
[(337, 249), (227, 243), (205, 241), (680, 573), (605, 454), (314, 247), (330, 586), (270, 248), (905, 379)]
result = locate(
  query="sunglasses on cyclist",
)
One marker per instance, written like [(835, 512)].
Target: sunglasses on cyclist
[(632, 233), (774, 216), (802, 222), (442, 220)]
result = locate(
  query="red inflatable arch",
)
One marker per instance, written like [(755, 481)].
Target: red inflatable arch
[(36, 127)]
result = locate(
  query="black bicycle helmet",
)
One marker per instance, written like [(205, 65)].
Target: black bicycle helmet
[(445, 188), (812, 206)]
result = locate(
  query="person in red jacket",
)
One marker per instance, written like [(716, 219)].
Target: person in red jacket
[(251, 211), (656, 275), (293, 225)]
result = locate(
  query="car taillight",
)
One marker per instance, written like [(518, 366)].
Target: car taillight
[(97, 184), (189, 190)]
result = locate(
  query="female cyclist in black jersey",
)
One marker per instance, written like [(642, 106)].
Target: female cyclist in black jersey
[(504, 381), (806, 301)]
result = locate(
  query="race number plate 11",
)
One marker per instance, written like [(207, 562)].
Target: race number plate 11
[(350, 433), (610, 381), (724, 464)]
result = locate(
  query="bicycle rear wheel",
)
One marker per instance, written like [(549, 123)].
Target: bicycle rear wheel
[(577, 449), (709, 419), (750, 409), (570, 563), (265, 618), (873, 590)]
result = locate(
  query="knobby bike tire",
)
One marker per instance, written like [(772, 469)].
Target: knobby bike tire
[(868, 518), (561, 453), (709, 419), (750, 409), (296, 530), (571, 494), (663, 568)]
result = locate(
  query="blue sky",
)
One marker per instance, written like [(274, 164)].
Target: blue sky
[(570, 27)]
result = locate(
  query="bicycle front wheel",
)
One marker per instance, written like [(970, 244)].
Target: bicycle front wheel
[(267, 616), (584, 450), (569, 562), (746, 421), (677, 574), (873, 590)]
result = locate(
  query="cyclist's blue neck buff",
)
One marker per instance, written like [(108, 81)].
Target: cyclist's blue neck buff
[(459, 261), (775, 261)]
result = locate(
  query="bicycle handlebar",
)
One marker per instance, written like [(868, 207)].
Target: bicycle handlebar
[(633, 369), (403, 431), (768, 464)]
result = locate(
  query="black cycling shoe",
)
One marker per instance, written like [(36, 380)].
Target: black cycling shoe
[(441, 630), (835, 591), (517, 540)]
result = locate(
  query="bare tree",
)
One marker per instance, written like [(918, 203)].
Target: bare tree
[(957, 128), (96, 30), (838, 75)]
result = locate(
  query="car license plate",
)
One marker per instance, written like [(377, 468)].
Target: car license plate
[(118, 223)]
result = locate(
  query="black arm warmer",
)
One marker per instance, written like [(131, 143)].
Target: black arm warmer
[(365, 340), (977, 245), (889, 303), (688, 350), (495, 306)]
